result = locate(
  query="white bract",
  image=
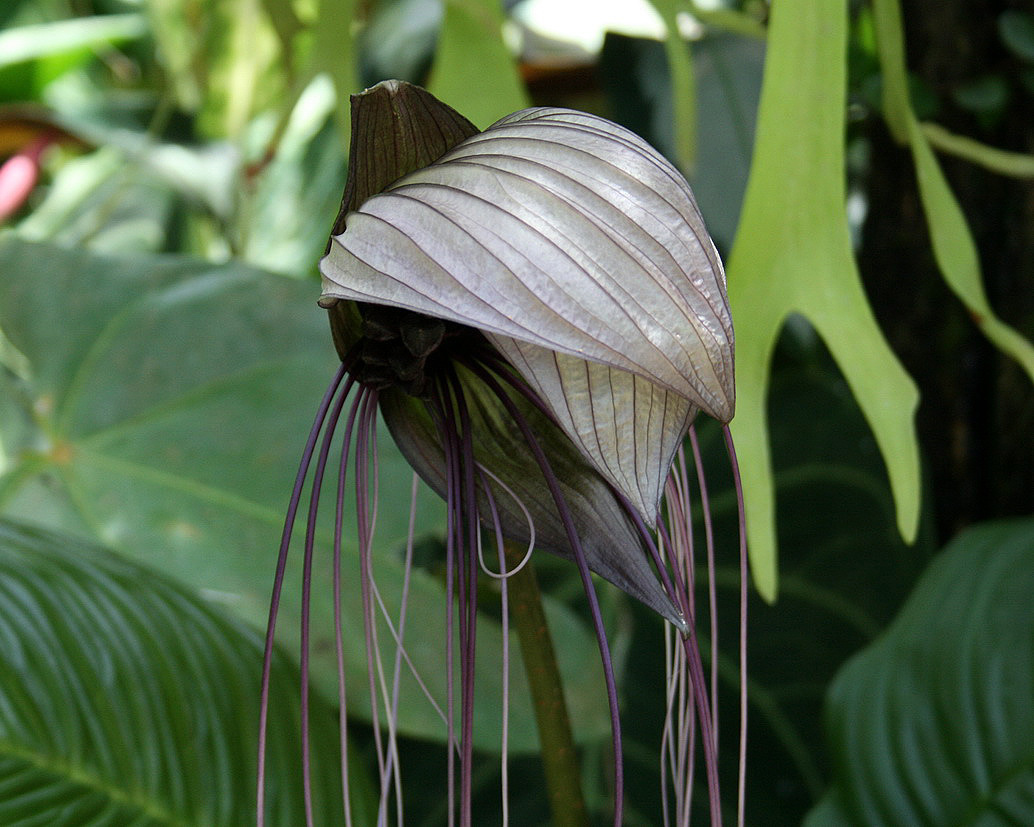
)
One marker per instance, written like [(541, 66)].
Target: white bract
[(580, 254)]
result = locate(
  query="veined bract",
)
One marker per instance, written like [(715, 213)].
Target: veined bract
[(538, 313)]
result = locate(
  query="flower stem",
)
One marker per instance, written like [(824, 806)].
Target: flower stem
[(559, 760)]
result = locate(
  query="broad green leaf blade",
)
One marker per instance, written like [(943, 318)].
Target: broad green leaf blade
[(933, 723), (473, 70), (127, 700), (164, 413), (953, 245), (793, 255)]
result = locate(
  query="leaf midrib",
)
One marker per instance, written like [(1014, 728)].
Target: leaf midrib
[(95, 350), (81, 777), (988, 802), (201, 491)]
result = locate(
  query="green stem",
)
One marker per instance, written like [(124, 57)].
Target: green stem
[(1015, 164), (559, 760)]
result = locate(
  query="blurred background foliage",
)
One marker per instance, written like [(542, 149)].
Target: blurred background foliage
[(170, 173)]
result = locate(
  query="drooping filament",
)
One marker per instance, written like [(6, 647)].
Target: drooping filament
[(411, 355)]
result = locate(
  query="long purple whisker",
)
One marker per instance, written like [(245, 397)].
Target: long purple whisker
[(390, 700), (692, 649), (679, 521), (310, 540), (278, 582), (451, 407), (443, 417), (742, 525), (583, 569), (505, 613), (364, 524), (339, 514), (705, 507), (680, 731), (399, 632), (681, 594), (678, 739), (470, 571)]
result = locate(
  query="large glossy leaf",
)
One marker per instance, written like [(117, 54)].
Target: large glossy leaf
[(164, 410), (793, 254), (127, 700), (933, 724)]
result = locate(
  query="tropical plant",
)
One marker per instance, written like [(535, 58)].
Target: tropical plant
[(170, 173)]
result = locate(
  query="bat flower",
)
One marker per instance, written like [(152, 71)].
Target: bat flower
[(538, 314)]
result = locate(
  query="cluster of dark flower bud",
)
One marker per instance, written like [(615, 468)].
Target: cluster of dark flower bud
[(399, 347)]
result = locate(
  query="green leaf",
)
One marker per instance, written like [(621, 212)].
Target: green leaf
[(165, 411), (793, 255), (1016, 29), (933, 723), (33, 56), (985, 95), (80, 35), (288, 217), (223, 58), (636, 75), (333, 52), (101, 201), (399, 39), (953, 245), (1016, 164), (128, 700), (729, 73), (473, 70), (683, 86)]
